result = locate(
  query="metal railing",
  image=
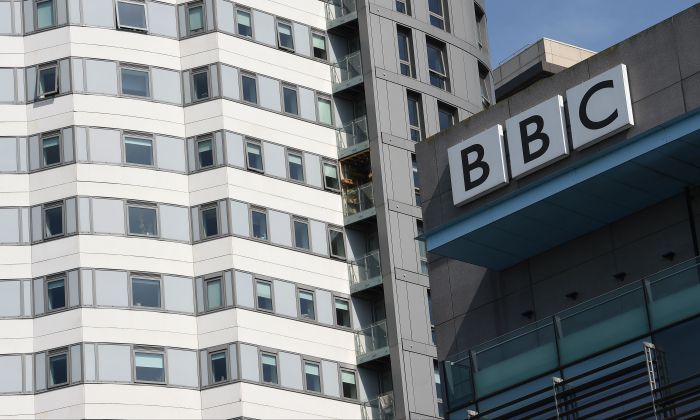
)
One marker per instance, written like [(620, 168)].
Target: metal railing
[(353, 133), (371, 339), (358, 199), (365, 269), (380, 408), (336, 9), (350, 67)]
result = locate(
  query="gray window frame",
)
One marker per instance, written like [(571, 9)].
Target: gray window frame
[(202, 209), (54, 15), (198, 161), (267, 224), (325, 42), (323, 97), (443, 107), (323, 174), (210, 371), (289, 167), (139, 68), (289, 24), (254, 78), (54, 353), (150, 277), (407, 6), (480, 17), (445, 17), (277, 367), (329, 229), (50, 206), (195, 71), (250, 14), (150, 350), (49, 279), (335, 315), (417, 98), (304, 362), (485, 84), (440, 46), (222, 289), (143, 205), (262, 156), (340, 378), (293, 88), (139, 136), (61, 157), (57, 78), (272, 295), (422, 258), (192, 5), (408, 34), (415, 180), (301, 290), (129, 27), (298, 219)]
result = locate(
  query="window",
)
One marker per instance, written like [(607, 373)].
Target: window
[(439, 391), (245, 25), (254, 156), (403, 6), (480, 25), (135, 82), (337, 243), (58, 367), (295, 162), (269, 368), (318, 42), (143, 220), (415, 116), (325, 115), (422, 253), (195, 17), (437, 13), (214, 293), (45, 14), (342, 312), (249, 86), (485, 85), (200, 84), (210, 221), (138, 150), (330, 176), (406, 60), (131, 15), (289, 96), (55, 294), (51, 149), (347, 378), (301, 234), (306, 304), (263, 291), (437, 65), (145, 292), (259, 221), (219, 366), (447, 115), (205, 153), (312, 377), (285, 39), (47, 80), (53, 220), (416, 179), (149, 366)]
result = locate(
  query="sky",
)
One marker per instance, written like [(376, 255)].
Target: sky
[(590, 24)]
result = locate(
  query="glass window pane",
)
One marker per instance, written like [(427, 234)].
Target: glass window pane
[(210, 222), (413, 112), (301, 234), (400, 6), (342, 313), (145, 292), (313, 377), (135, 82), (219, 370), (54, 221), (254, 154), (435, 61), (264, 293), (306, 304), (132, 15), (58, 369), (51, 150), (324, 111), (143, 221), (205, 153), (250, 89), (200, 84), (44, 14), (435, 6), (286, 40), (149, 367), (349, 385), (337, 244), (47, 81), (446, 119), (330, 176), (244, 26), (269, 368), (195, 18), (259, 221), (437, 22), (319, 44), (290, 101), (56, 294), (296, 167), (403, 46), (214, 294), (138, 151)]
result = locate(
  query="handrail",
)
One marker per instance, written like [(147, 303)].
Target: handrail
[(365, 268), (347, 68)]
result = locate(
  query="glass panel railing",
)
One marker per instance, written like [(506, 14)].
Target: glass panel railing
[(371, 339), (352, 134), (674, 294), (458, 377), (380, 408), (336, 9), (347, 69), (365, 269), (358, 199)]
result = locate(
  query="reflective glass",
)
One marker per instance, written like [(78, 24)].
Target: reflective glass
[(269, 368), (219, 370), (51, 150), (132, 15), (244, 26), (301, 234), (145, 292), (47, 81), (56, 294), (312, 373), (291, 105), (286, 40), (342, 313), (446, 118), (214, 294), (324, 111), (210, 222), (149, 367), (44, 14), (337, 243), (143, 221), (205, 153), (264, 293), (200, 84), (319, 44), (58, 369), (349, 385), (138, 151), (250, 89), (195, 18), (296, 167), (135, 82), (254, 153), (306, 304), (259, 221), (54, 221), (330, 176)]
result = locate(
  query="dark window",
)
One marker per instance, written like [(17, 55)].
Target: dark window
[(58, 368), (405, 51), (415, 116), (200, 84), (143, 220), (437, 65), (138, 151), (319, 46), (306, 304), (254, 156), (330, 176), (446, 116), (301, 234), (135, 82), (48, 81), (214, 293), (132, 15), (296, 166), (51, 149), (245, 26), (485, 84), (291, 104), (44, 14), (403, 6), (195, 17), (312, 376), (347, 378), (250, 88), (205, 153), (416, 179), (259, 222), (422, 251), (219, 367), (56, 294), (53, 220), (439, 390), (285, 39), (150, 367), (210, 221), (480, 25), (342, 312), (145, 292), (269, 368), (263, 291), (337, 243), (437, 13)]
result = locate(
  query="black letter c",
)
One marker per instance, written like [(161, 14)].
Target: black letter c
[(582, 110)]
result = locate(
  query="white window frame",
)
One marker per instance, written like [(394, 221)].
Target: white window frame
[(406, 5), (129, 27), (443, 57), (444, 17), (415, 97), (407, 33)]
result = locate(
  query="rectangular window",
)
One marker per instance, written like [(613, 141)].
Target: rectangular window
[(45, 14), (132, 15), (325, 114), (205, 153), (195, 17), (244, 23), (143, 220), (416, 179), (415, 116), (214, 293), (138, 150), (447, 115), (263, 291), (47, 80), (342, 312), (290, 99), (53, 220), (403, 6), (422, 252), (285, 39), (319, 45), (480, 25), (145, 292), (337, 242), (306, 304), (219, 366), (347, 378), (269, 368), (258, 219), (149, 366), (485, 85), (301, 234), (295, 162), (312, 377), (51, 149), (437, 64), (406, 60), (330, 176), (254, 157), (55, 294), (437, 13), (210, 221), (58, 367), (249, 86), (200, 84), (439, 390), (135, 82)]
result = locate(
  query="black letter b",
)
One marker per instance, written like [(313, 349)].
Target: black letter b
[(478, 163), (537, 135)]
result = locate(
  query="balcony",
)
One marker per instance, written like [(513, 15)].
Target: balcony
[(340, 12), (365, 272), (380, 408), (347, 73), (353, 137), (371, 343), (358, 203)]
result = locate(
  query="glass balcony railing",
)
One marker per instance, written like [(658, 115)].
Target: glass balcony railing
[(353, 135), (380, 408), (630, 312), (358, 199), (371, 342), (347, 72), (339, 9), (365, 272)]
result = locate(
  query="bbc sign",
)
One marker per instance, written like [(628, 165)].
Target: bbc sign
[(598, 108)]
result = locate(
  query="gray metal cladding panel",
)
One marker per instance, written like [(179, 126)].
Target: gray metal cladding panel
[(8, 154), (178, 294), (324, 307), (224, 16), (182, 20), (24, 214), (329, 375), (113, 363), (285, 299), (162, 19), (83, 214), (244, 290), (68, 148), (194, 220), (86, 286), (307, 104), (27, 296), (290, 370), (71, 216), (209, 12), (214, 72), (61, 12), (219, 147), (228, 283), (28, 373), (302, 39), (280, 227), (90, 373), (264, 28), (111, 288), (234, 149), (11, 378), (7, 82), (182, 368), (74, 11), (166, 85), (76, 374), (40, 371), (5, 18), (30, 77), (64, 74), (98, 13), (249, 363), (81, 152), (36, 223), (187, 94), (108, 216), (21, 88), (73, 288), (28, 9), (312, 170), (223, 216), (9, 226), (199, 282), (229, 82), (233, 360), (319, 238), (101, 76), (239, 218), (174, 223), (34, 152), (204, 367), (38, 296), (269, 93), (104, 145), (274, 158), (170, 154), (10, 300)]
